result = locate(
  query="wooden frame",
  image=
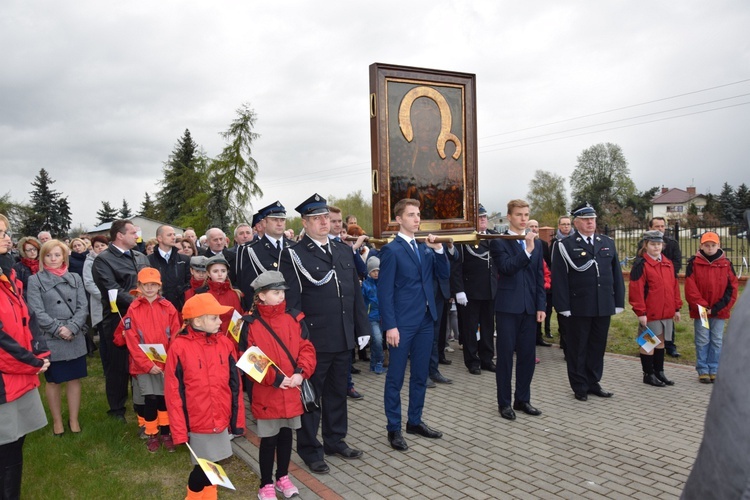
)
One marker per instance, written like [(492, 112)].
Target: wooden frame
[(423, 144)]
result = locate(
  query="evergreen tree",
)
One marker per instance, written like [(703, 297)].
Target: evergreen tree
[(106, 213), (148, 207), (235, 169), (125, 212), (742, 197), (50, 210), (217, 208), (179, 180), (728, 202)]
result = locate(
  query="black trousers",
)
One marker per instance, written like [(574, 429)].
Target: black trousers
[(515, 334), (115, 368), (329, 380), (477, 314), (438, 342), (586, 342)]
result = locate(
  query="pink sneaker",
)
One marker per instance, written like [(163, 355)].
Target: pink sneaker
[(285, 487), (267, 493), (166, 441), (153, 443)]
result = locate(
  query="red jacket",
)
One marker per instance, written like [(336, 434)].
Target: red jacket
[(195, 286), (202, 386), (654, 291), (268, 400), (147, 323), (19, 366), (226, 296), (710, 284)]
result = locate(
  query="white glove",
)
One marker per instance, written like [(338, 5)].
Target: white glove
[(461, 298), (618, 310), (565, 313)]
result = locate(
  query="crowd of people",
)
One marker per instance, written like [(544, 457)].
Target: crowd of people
[(311, 303)]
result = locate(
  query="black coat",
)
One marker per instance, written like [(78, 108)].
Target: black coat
[(335, 311), (587, 293), (247, 269), (175, 276), (475, 275), (113, 270)]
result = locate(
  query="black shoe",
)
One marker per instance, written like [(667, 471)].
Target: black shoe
[(526, 408), (423, 431), (650, 379), (319, 467), (601, 393), (475, 371), (120, 418), (507, 413), (356, 371), (440, 379), (396, 439), (363, 356), (582, 397), (353, 394), (489, 367), (444, 361), (548, 335), (430, 384), (345, 452), (674, 354), (541, 342), (663, 378)]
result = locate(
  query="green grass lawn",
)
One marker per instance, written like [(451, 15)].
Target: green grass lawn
[(108, 460)]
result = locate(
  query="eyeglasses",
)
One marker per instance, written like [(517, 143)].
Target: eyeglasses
[(4, 233)]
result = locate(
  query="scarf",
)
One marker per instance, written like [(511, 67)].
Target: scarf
[(57, 272), (32, 264), (561, 236)]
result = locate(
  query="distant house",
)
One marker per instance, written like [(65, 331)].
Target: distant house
[(148, 227), (673, 204)]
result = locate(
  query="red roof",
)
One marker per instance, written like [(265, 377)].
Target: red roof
[(674, 195)]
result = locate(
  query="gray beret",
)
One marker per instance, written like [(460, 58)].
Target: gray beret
[(198, 262), (269, 280), (656, 236)]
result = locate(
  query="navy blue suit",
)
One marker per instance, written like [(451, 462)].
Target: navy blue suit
[(406, 298), (520, 294)]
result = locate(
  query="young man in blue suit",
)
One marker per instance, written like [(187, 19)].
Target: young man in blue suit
[(520, 304), (407, 310)]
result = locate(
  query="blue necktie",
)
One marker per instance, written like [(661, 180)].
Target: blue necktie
[(416, 250), (523, 243)]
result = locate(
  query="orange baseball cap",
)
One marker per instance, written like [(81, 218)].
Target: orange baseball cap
[(710, 237), (149, 275), (202, 304)]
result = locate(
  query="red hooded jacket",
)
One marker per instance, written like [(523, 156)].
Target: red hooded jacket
[(654, 291), (710, 284), (147, 323), (269, 401), (202, 386), (19, 366)]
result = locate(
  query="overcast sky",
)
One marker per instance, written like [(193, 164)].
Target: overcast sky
[(98, 92)]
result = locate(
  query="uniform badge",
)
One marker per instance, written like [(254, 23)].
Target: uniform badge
[(583, 253), (275, 265)]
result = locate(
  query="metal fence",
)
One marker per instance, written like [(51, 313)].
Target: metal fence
[(734, 243)]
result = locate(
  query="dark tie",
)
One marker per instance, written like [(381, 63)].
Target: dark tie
[(589, 241), (325, 249), (278, 245), (416, 249), (127, 252)]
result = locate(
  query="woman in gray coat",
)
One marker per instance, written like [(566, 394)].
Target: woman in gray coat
[(57, 299)]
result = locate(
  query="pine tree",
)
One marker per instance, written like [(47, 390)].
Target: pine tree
[(50, 210), (148, 207), (106, 213), (179, 180), (235, 169), (218, 208), (728, 202), (125, 212)]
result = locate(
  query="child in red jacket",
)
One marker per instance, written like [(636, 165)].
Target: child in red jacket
[(151, 319), (276, 400), (221, 288), (710, 282), (198, 275), (202, 389), (655, 296)]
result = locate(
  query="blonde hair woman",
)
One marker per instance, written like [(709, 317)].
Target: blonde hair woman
[(58, 300)]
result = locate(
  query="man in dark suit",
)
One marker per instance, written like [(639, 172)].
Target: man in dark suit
[(520, 304), (173, 267), (407, 311), (323, 284), (263, 254), (216, 243), (442, 289), (588, 289), (474, 283)]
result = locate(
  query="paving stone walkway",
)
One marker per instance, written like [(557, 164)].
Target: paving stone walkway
[(639, 444)]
